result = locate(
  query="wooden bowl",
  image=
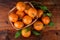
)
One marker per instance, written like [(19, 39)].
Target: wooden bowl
[(14, 8)]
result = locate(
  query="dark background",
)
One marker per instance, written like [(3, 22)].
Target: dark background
[(7, 31)]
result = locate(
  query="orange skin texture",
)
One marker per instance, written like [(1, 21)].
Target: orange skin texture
[(38, 26), (26, 33), (39, 13), (27, 8), (27, 19), (20, 6), (20, 13), (46, 20), (13, 17), (18, 24), (32, 12)]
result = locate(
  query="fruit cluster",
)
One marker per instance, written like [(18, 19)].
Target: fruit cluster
[(24, 15)]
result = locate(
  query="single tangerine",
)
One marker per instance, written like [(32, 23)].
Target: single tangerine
[(18, 24), (46, 20), (21, 6), (39, 13), (20, 13), (38, 26), (26, 33), (32, 12), (13, 17), (27, 19)]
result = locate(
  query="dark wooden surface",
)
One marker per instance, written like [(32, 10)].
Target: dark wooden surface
[(7, 31)]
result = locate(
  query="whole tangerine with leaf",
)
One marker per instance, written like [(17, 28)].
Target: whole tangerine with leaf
[(46, 20), (25, 32)]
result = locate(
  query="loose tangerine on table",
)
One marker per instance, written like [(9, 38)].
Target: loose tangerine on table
[(38, 25), (26, 33), (46, 20)]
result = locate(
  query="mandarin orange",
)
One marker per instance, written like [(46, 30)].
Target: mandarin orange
[(32, 12), (46, 20), (38, 26), (39, 13), (18, 24), (27, 19), (26, 33), (20, 6), (20, 13), (13, 17)]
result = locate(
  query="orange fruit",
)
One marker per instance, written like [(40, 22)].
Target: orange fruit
[(38, 25), (20, 13), (26, 33), (18, 24), (20, 6), (13, 17), (39, 13), (46, 20), (26, 10), (27, 19), (32, 12)]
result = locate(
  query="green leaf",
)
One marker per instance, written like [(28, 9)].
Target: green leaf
[(49, 14), (36, 33), (44, 14), (18, 33), (39, 6), (44, 8), (27, 29), (51, 24)]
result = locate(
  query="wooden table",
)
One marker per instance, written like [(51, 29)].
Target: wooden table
[(7, 31)]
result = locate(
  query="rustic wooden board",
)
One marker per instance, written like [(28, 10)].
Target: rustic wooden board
[(7, 31)]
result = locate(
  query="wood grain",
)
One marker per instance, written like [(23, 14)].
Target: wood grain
[(7, 31)]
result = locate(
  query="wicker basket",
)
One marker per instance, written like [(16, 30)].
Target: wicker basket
[(14, 8)]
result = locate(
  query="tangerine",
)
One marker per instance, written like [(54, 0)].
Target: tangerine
[(20, 6), (38, 25), (46, 20), (20, 13), (32, 12), (26, 33), (13, 17), (27, 19), (18, 24), (39, 13)]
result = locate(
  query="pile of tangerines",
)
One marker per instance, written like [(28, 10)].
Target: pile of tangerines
[(24, 15)]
